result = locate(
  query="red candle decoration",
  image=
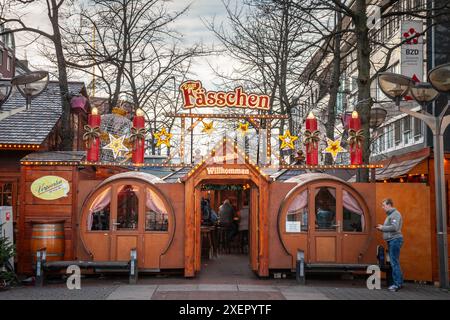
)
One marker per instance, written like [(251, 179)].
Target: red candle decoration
[(92, 136), (138, 137), (355, 139), (312, 140)]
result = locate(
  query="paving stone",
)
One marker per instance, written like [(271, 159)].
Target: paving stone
[(132, 292), (217, 287), (177, 287), (257, 288)]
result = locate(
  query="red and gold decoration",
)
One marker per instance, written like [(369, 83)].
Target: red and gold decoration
[(243, 128), (137, 137), (208, 128), (163, 137), (287, 140), (195, 96), (334, 147), (116, 145), (92, 136), (356, 139), (312, 139)]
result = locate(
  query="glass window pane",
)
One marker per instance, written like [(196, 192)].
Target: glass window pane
[(353, 214), (325, 201), (7, 187), (297, 215), (127, 207), (156, 217), (100, 211)]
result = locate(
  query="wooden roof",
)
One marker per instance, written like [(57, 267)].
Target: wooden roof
[(34, 125)]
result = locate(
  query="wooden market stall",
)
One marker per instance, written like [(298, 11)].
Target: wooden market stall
[(108, 210)]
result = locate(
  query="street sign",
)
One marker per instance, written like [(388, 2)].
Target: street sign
[(412, 63)]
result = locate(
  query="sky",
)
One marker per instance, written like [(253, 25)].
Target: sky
[(190, 25)]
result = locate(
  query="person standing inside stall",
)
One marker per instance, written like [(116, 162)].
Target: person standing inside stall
[(392, 233), (243, 227)]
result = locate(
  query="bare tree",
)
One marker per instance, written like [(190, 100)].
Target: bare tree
[(356, 36), (10, 17)]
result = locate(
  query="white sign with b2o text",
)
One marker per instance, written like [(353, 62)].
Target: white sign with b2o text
[(412, 49)]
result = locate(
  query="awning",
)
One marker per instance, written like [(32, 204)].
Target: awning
[(397, 169), (394, 170)]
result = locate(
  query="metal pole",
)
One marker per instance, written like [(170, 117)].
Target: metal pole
[(438, 124), (441, 205)]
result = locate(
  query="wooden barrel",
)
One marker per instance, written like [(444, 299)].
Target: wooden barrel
[(49, 236)]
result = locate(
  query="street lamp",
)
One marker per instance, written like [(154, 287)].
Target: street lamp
[(377, 117), (440, 78), (5, 90), (31, 84), (424, 93), (394, 86)]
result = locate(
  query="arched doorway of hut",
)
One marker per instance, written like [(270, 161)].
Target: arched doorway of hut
[(228, 213), (240, 187)]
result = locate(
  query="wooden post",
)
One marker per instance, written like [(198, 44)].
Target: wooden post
[(197, 231), (269, 145), (183, 132), (189, 232), (263, 266)]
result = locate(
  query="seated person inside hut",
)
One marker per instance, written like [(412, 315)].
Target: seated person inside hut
[(325, 209), (226, 216), (209, 216)]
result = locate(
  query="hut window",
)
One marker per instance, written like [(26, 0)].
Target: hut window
[(6, 194), (353, 214), (127, 207), (325, 201), (297, 215), (100, 211), (156, 217)]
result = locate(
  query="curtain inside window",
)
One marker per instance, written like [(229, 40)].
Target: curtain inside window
[(299, 202), (101, 202), (154, 202), (352, 205)]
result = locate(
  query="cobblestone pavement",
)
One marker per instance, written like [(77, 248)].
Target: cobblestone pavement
[(228, 278), (113, 290)]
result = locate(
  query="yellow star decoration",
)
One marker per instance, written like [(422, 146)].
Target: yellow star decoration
[(163, 137), (334, 147), (116, 145), (243, 128), (287, 140), (208, 127)]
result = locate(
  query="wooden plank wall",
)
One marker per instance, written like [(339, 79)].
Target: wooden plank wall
[(35, 209), (412, 200)]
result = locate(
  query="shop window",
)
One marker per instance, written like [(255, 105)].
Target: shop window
[(6, 194), (397, 133), (127, 207), (297, 215), (325, 201), (156, 217), (407, 129), (100, 211), (353, 214), (417, 129)]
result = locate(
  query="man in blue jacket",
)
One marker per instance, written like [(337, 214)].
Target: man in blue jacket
[(392, 233)]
